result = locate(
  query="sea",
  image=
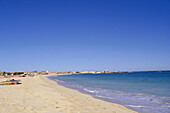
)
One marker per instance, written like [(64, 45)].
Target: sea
[(144, 92)]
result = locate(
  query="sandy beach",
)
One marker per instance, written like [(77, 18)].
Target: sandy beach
[(41, 95)]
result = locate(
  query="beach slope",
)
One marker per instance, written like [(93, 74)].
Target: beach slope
[(41, 95)]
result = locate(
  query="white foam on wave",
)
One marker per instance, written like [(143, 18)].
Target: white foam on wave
[(104, 97), (91, 91), (134, 106)]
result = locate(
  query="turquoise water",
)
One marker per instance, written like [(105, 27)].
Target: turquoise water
[(145, 92)]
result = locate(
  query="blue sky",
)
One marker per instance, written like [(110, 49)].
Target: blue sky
[(79, 35)]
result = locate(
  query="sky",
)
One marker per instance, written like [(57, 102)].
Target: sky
[(82, 35)]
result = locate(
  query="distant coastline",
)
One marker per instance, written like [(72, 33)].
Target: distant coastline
[(35, 73)]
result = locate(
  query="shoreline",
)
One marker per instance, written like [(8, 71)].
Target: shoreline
[(42, 95)]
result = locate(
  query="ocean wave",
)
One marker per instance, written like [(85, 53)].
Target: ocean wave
[(103, 97), (91, 91), (134, 106)]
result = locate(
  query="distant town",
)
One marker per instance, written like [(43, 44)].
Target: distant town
[(36, 73)]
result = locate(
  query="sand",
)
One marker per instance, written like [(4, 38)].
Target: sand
[(41, 95)]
